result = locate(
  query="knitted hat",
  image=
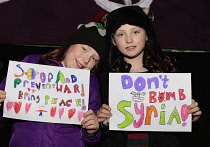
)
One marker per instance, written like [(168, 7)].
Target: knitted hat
[(91, 34), (133, 15)]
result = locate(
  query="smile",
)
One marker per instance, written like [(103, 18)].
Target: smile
[(79, 65), (130, 48)]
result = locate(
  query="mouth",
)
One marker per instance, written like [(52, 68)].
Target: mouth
[(130, 47), (79, 65)]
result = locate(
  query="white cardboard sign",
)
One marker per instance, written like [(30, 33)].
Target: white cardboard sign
[(150, 101), (46, 93)]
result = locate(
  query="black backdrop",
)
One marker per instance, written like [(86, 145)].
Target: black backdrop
[(195, 63), (180, 24)]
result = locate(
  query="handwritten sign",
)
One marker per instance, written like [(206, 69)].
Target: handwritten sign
[(46, 93), (150, 101)]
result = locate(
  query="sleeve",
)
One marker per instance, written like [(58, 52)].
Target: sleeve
[(94, 94), (94, 104)]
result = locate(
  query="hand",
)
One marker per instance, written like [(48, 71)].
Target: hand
[(90, 122), (194, 110), (2, 96), (104, 113)]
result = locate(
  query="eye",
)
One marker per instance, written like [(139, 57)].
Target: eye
[(136, 32), (120, 34), (95, 59)]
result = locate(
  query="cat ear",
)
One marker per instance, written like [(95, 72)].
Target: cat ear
[(110, 6), (149, 13)]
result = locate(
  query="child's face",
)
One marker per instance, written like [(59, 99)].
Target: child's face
[(130, 40), (80, 56)]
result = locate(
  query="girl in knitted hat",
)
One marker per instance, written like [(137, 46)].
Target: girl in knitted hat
[(134, 47), (84, 49)]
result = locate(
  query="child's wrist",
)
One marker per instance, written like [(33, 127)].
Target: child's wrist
[(92, 135)]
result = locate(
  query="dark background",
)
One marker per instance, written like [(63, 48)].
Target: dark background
[(195, 63), (180, 24)]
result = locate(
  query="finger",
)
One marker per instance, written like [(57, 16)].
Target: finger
[(92, 127), (2, 92), (193, 105), (89, 117), (91, 124), (197, 113), (101, 119), (2, 96), (104, 113), (105, 106), (193, 110), (89, 112), (196, 116), (2, 99)]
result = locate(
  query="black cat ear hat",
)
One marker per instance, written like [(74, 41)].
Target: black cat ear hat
[(133, 15), (91, 34)]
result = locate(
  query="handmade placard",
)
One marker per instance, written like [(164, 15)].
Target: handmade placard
[(150, 101), (46, 93)]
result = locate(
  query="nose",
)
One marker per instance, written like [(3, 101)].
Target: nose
[(85, 60), (129, 39)]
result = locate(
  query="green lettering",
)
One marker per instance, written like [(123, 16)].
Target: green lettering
[(174, 114), (128, 116)]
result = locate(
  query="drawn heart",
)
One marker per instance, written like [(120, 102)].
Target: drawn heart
[(33, 90), (61, 111), (27, 107), (9, 105), (17, 107), (80, 115), (52, 111), (29, 89), (71, 112)]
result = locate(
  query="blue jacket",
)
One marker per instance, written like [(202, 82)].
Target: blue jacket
[(40, 134)]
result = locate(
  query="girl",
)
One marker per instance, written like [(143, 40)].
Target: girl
[(82, 52), (134, 48)]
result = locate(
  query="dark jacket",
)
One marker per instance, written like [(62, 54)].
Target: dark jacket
[(119, 138)]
